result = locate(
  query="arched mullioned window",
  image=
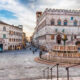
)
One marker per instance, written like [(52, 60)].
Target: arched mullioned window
[(59, 22), (65, 22), (52, 22), (75, 23), (4, 28)]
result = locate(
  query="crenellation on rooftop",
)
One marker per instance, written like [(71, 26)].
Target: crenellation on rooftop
[(63, 10)]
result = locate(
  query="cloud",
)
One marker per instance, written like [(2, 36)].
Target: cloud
[(60, 4), (24, 15), (25, 10)]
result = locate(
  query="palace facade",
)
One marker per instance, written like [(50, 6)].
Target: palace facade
[(53, 24), (10, 36)]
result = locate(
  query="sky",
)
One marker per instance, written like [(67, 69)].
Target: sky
[(23, 12)]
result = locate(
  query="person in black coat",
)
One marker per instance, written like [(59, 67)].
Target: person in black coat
[(33, 51), (30, 48), (40, 54)]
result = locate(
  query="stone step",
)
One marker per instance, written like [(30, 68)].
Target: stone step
[(73, 78)]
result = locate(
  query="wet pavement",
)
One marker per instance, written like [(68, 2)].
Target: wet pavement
[(20, 65)]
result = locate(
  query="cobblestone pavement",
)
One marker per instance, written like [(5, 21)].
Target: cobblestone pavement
[(20, 65)]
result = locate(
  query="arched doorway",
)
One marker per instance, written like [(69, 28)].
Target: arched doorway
[(10, 47), (58, 39), (15, 47), (78, 45), (1, 47)]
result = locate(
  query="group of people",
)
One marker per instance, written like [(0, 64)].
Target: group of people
[(35, 50)]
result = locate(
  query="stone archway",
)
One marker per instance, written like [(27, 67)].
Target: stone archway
[(1, 47), (15, 47), (77, 43), (58, 39)]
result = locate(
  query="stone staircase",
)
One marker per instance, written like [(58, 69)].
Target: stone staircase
[(72, 78)]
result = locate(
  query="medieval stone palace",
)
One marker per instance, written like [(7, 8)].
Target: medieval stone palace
[(52, 24)]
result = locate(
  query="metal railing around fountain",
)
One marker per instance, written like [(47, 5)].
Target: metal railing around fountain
[(67, 69), (50, 72), (50, 69), (47, 68)]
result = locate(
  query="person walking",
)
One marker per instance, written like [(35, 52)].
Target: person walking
[(30, 48), (33, 51), (36, 50), (40, 54)]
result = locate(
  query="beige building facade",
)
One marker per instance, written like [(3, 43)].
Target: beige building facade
[(10, 36), (24, 40), (52, 24)]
